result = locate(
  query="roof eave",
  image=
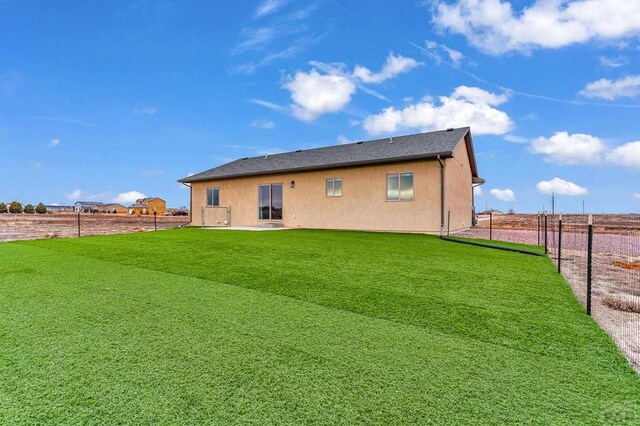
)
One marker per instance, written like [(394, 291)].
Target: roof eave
[(446, 154)]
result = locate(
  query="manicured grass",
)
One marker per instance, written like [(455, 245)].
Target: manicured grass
[(198, 326)]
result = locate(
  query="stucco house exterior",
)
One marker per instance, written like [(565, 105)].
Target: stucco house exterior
[(113, 208), (414, 183), (87, 206), (144, 206)]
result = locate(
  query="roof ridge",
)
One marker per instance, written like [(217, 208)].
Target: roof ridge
[(407, 147)]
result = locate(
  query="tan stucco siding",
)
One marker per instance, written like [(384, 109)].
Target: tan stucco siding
[(458, 189), (363, 205)]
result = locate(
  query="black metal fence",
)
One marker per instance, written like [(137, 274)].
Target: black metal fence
[(23, 226), (599, 257)]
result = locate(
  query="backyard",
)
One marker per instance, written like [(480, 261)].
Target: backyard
[(192, 326)]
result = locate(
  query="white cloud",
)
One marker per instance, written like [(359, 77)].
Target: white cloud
[(613, 61), (436, 50), (627, 155), (477, 95), (268, 7), (254, 38), (76, 194), (270, 105), (494, 27), (560, 187), (636, 195), (477, 191), (503, 194), (563, 148), (393, 66), (343, 140), (145, 111), (314, 94), (467, 106), (454, 56), (263, 124), (610, 89), (54, 142), (80, 195), (329, 87), (128, 197), (516, 139)]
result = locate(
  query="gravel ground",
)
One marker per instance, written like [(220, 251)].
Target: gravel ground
[(34, 226)]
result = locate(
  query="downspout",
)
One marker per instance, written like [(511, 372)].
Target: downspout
[(473, 204), (441, 195), (190, 203)]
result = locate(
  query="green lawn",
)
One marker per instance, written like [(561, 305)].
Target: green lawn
[(198, 326)]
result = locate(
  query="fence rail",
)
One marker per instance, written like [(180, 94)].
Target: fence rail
[(599, 257), (23, 226)]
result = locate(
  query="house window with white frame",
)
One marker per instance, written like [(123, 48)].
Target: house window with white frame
[(400, 187), (334, 187)]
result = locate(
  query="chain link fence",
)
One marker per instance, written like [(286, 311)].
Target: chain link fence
[(22, 226)]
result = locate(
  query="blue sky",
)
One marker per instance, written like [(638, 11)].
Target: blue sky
[(109, 100)]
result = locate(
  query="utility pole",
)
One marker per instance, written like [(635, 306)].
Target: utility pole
[(553, 203), (582, 206)]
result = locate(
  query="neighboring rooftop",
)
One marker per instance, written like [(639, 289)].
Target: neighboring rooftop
[(146, 200), (387, 150), (90, 203)]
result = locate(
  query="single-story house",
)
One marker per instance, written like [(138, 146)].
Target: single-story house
[(148, 206), (113, 208), (415, 183), (87, 206)]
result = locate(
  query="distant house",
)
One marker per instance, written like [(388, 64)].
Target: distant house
[(414, 183), (113, 208), (87, 206), (56, 208), (145, 206)]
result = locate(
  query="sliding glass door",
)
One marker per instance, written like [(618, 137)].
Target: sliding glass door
[(270, 202)]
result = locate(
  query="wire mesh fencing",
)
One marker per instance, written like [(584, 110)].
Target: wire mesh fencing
[(498, 226), (22, 226), (616, 280), (598, 255)]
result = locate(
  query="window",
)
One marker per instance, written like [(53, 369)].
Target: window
[(334, 187), (400, 187), (270, 202), (213, 197)]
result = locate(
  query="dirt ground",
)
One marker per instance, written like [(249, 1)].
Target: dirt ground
[(60, 225), (615, 300)]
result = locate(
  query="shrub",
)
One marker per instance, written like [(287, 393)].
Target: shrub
[(41, 209), (29, 209), (3, 208), (15, 207)]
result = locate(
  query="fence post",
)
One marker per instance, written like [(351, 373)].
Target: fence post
[(546, 238), (448, 221), (589, 250), (559, 242), (155, 220), (490, 224), (538, 230), (78, 223)]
